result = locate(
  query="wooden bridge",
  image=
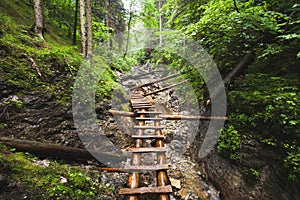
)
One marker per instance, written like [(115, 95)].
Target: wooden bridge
[(145, 111)]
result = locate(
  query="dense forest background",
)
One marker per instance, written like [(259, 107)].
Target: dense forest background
[(262, 37)]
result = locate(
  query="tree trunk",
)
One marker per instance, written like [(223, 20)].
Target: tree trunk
[(236, 71), (39, 18), (89, 53), (160, 22), (82, 27), (128, 29), (108, 22), (75, 23)]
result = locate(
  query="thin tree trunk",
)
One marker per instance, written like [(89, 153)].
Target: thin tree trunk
[(89, 30), (39, 18), (235, 6), (128, 29), (75, 23), (82, 27), (160, 22), (108, 22), (244, 62)]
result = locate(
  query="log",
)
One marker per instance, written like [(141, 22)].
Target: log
[(171, 117), (191, 117), (236, 71), (53, 150)]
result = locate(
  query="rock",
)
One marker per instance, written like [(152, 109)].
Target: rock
[(175, 183)]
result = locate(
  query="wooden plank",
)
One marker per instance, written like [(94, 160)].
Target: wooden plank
[(140, 101), (138, 168), (149, 112), (168, 117), (148, 119), (148, 136), (142, 106), (148, 127), (191, 117), (146, 190), (135, 168), (147, 149)]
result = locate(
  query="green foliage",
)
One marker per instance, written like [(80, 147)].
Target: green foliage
[(150, 14), (263, 103), (267, 108), (230, 142), (123, 64), (251, 175)]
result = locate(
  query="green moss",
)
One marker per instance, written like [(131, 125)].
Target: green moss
[(58, 181)]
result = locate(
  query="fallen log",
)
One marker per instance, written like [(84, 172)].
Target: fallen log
[(244, 62), (56, 151)]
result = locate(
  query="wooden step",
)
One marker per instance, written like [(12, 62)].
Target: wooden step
[(147, 149), (148, 136), (139, 100), (149, 112), (148, 119), (149, 105), (146, 190), (148, 127), (139, 168), (136, 168)]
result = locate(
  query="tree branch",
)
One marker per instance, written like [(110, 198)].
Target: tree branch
[(235, 6)]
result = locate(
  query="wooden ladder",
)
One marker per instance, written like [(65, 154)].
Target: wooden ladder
[(141, 107)]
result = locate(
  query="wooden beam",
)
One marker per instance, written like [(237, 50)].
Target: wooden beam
[(147, 149), (191, 117), (148, 137), (169, 117), (148, 127), (136, 168), (146, 190)]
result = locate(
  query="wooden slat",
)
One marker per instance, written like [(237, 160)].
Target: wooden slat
[(148, 119), (191, 117), (141, 104), (138, 168), (143, 100), (147, 149), (135, 168), (148, 127), (142, 107), (146, 190), (149, 112), (148, 136)]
